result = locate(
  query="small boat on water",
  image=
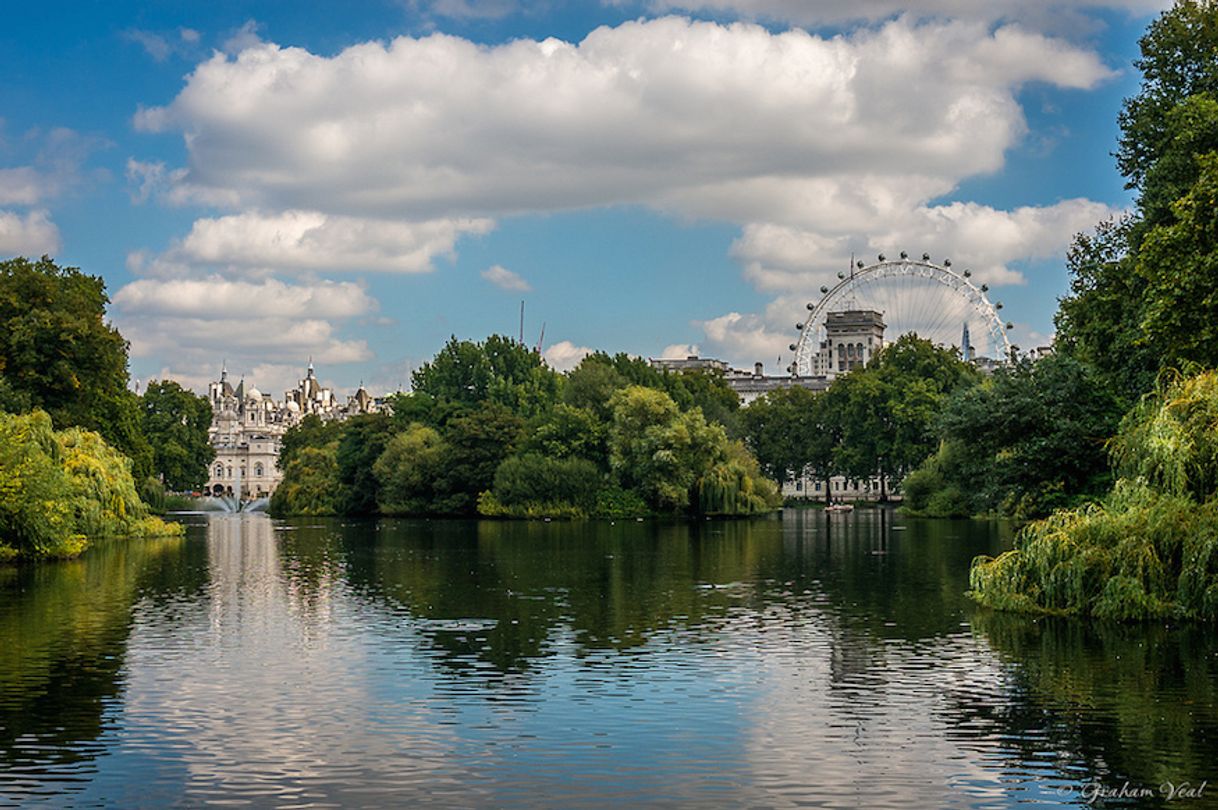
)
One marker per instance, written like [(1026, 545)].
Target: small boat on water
[(840, 507)]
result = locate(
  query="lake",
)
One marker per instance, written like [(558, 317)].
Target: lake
[(822, 660)]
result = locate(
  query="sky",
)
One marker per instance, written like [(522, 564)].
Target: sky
[(265, 183)]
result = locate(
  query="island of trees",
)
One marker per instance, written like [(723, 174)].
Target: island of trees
[(489, 429)]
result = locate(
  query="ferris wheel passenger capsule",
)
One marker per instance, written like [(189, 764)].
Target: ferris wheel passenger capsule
[(882, 257), (985, 287), (998, 305), (947, 262), (799, 326), (811, 306), (824, 289), (792, 347), (841, 275), (1010, 325), (904, 255), (859, 264), (968, 273), (925, 257)]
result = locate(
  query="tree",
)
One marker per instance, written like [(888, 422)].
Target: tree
[(532, 480), (308, 432), (885, 412), (498, 370), (310, 483), (1125, 312), (658, 450), (476, 443), (568, 432), (1179, 261), (407, 470), (791, 432), (61, 489), (361, 442), (1029, 439), (1177, 62), (1100, 322), (592, 383), (175, 422), (57, 353)]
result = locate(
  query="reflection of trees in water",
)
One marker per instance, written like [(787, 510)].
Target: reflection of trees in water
[(64, 628), (601, 586), (1134, 702)]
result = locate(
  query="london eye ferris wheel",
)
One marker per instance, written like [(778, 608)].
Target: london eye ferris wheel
[(931, 300)]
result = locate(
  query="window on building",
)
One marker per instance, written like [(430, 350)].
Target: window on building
[(258, 470), (219, 470)]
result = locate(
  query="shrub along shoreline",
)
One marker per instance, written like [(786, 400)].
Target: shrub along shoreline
[(60, 490), (1149, 550)]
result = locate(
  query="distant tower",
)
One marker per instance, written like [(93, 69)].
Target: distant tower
[(966, 347)]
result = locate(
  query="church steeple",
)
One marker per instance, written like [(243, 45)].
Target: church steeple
[(966, 349)]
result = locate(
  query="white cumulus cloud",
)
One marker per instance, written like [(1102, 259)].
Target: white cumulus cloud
[(312, 241), (505, 279), (679, 114), (32, 234), (565, 355), (836, 12)]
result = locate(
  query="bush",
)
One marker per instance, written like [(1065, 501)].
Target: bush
[(535, 479), (1139, 555), (61, 489), (615, 502)]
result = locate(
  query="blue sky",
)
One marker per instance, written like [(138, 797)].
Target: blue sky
[(265, 182)]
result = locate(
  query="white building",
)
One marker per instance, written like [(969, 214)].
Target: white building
[(247, 428)]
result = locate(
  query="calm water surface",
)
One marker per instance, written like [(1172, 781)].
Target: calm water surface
[(827, 661)]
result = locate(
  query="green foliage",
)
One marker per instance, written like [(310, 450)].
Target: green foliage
[(531, 478), (60, 490), (616, 502), (57, 353), (1028, 440), (1139, 555), (175, 422), (1150, 550), (12, 400), (947, 484), (659, 451), (1170, 439), (361, 442), (490, 429), (408, 469), (308, 432), (735, 486), (1142, 293), (1179, 261), (791, 431), (886, 412), (568, 432), (592, 384), (498, 370), (477, 443), (1177, 62), (1100, 322), (310, 483)]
